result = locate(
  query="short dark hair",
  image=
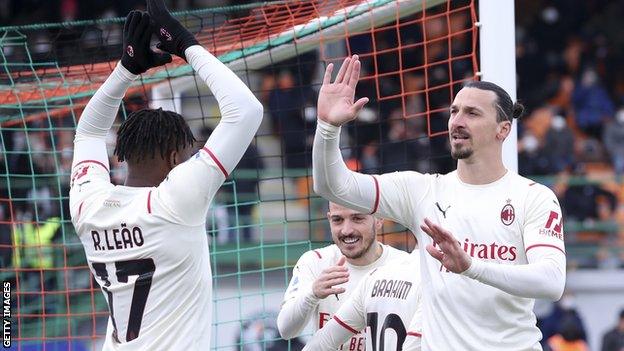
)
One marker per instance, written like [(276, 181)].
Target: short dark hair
[(146, 131), (506, 110)]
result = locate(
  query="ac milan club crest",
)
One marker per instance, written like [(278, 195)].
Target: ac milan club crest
[(508, 214), (130, 51)]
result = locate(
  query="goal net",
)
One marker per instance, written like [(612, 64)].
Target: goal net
[(415, 55)]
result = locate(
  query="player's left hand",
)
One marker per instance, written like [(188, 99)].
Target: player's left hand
[(137, 56), (448, 250), (174, 37)]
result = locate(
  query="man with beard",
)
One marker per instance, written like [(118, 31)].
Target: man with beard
[(324, 278), (491, 241), (386, 304)]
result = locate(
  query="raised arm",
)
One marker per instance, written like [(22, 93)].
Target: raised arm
[(241, 112), (190, 187), (332, 179), (99, 114), (90, 162), (389, 195)]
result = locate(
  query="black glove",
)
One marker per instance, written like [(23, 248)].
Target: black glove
[(174, 38), (137, 56)]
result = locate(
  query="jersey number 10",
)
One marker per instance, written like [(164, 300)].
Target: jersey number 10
[(392, 321), (144, 268)]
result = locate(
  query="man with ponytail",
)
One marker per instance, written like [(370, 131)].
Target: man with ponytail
[(491, 241)]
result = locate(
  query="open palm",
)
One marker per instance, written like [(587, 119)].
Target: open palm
[(335, 101), (448, 250)]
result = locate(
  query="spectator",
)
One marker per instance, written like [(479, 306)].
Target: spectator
[(286, 103), (558, 144), (592, 104), (547, 143), (586, 201), (569, 337), (531, 159), (613, 340), (564, 312), (613, 138), (407, 143)]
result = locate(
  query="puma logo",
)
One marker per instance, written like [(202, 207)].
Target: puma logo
[(442, 210)]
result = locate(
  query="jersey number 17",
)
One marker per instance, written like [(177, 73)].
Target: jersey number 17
[(144, 268)]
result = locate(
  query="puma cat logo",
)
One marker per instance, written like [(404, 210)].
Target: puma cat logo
[(442, 210)]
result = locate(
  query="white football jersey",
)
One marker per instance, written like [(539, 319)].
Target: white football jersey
[(497, 222), (309, 268), (147, 248), (386, 304)]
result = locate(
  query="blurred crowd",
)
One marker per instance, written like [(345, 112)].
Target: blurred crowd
[(563, 328), (22, 12), (570, 60)]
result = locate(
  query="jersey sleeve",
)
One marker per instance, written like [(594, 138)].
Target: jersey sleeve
[(90, 167), (352, 314), (389, 194), (543, 226), (350, 319), (397, 190), (544, 274), (190, 187), (299, 300)]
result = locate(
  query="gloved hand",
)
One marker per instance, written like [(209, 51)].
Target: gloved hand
[(174, 38), (137, 56)]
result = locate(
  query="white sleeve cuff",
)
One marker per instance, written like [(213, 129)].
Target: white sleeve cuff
[(311, 299), (123, 74), (474, 271), (327, 130)]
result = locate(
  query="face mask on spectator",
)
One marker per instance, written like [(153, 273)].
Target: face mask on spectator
[(589, 78), (567, 302), (619, 116), (558, 123), (530, 143)]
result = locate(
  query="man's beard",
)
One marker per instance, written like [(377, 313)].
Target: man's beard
[(461, 153), (365, 249), (367, 246)]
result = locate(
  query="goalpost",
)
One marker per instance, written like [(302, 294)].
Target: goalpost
[(416, 54), (498, 60)]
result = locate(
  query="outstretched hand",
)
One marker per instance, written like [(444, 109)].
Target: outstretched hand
[(448, 250), (137, 56), (335, 101)]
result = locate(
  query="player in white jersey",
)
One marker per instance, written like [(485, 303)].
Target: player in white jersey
[(146, 242), (491, 241), (386, 304), (324, 278)]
